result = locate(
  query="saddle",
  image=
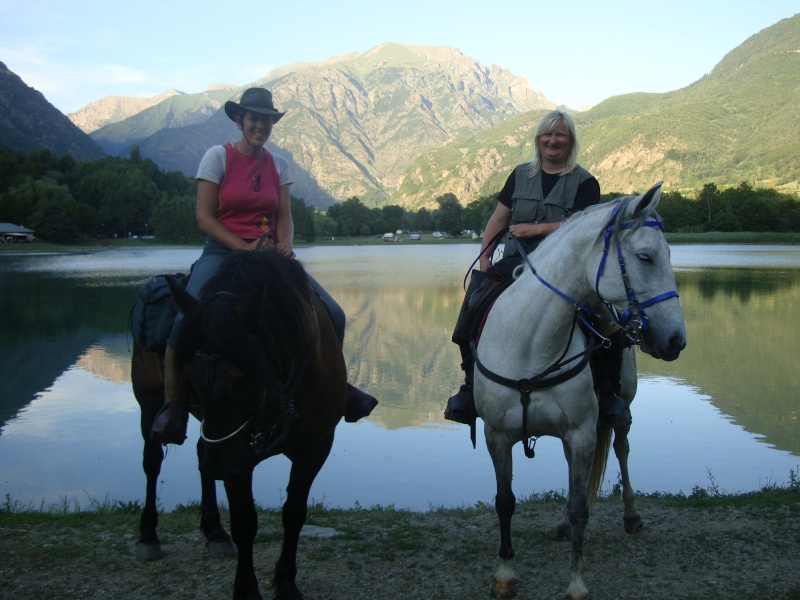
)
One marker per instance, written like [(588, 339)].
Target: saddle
[(482, 300)]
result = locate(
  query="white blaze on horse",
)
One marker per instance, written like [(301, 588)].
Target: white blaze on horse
[(531, 377)]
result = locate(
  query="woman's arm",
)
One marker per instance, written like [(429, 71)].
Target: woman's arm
[(284, 225), (206, 213), (499, 220)]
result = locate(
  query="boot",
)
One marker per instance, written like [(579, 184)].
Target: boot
[(614, 412), (461, 405), (359, 404), (169, 426)]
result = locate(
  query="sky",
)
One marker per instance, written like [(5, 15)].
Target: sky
[(576, 53)]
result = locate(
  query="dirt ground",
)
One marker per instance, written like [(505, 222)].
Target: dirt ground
[(744, 547)]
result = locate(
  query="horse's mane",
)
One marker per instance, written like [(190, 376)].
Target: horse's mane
[(250, 312), (619, 218)]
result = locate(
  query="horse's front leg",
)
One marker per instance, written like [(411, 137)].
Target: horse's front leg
[(631, 519), (579, 446), (218, 542), (244, 524), (305, 468), (505, 580)]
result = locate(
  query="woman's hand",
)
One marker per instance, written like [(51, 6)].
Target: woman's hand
[(285, 249), (533, 230), (266, 244), (524, 230)]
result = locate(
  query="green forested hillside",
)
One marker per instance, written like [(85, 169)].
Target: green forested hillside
[(741, 122)]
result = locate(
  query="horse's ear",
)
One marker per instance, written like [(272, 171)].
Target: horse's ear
[(649, 199), (183, 299)]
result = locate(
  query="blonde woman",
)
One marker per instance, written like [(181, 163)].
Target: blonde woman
[(536, 198)]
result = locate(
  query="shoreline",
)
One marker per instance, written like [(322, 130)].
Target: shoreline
[(710, 238)]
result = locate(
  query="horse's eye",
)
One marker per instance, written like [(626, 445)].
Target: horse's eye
[(644, 257)]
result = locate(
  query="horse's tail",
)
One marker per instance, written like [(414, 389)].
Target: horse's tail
[(601, 450)]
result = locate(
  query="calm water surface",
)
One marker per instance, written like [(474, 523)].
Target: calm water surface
[(724, 414)]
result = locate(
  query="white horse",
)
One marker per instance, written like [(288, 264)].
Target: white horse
[(531, 378)]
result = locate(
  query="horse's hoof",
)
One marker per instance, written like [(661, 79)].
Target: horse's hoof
[(221, 548), (504, 588), (633, 524), (577, 596), (148, 552)]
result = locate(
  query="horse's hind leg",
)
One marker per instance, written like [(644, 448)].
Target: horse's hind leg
[(218, 542), (148, 388), (148, 547), (505, 581), (631, 518), (628, 384)]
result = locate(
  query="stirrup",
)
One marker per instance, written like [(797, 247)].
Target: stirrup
[(461, 406)]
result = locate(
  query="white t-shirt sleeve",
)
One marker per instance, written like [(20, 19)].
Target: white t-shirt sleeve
[(284, 170), (212, 165)]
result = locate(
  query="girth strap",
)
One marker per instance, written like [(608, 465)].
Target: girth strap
[(537, 382)]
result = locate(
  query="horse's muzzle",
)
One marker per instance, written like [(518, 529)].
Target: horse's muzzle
[(668, 351)]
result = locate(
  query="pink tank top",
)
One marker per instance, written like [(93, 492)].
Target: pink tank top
[(249, 194)]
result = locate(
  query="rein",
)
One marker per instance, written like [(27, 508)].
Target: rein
[(624, 322), (258, 437)]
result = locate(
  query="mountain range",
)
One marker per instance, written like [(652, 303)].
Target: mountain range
[(404, 125)]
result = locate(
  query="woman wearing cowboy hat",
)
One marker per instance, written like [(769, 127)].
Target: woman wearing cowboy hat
[(242, 197)]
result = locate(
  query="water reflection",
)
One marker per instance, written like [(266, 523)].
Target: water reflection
[(69, 423)]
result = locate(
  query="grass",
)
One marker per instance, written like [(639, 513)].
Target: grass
[(392, 518)]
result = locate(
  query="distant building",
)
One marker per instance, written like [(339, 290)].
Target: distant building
[(15, 233)]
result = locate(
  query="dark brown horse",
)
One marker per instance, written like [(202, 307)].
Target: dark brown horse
[(263, 369)]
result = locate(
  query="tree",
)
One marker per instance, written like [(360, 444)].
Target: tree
[(478, 212), (392, 217), (55, 226), (174, 220), (303, 217), (18, 205), (353, 217), (324, 226), (449, 216), (422, 220), (707, 198), (679, 213)]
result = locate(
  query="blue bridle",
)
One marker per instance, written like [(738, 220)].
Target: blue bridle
[(635, 307), (624, 321)]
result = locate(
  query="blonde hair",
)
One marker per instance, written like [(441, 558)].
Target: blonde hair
[(548, 123)]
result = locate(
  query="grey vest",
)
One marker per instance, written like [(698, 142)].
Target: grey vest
[(529, 205)]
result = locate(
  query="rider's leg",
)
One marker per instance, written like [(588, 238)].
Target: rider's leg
[(359, 404), (170, 423), (606, 365), (461, 405)]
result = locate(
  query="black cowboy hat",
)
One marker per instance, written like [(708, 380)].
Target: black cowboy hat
[(257, 100)]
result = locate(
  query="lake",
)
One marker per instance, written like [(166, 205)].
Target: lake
[(723, 416)]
